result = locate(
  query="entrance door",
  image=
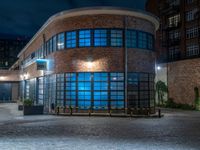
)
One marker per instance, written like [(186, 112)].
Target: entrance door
[(5, 92)]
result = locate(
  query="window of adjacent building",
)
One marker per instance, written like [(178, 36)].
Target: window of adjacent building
[(190, 15), (192, 49), (71, 39), (175, 34), (131, 38), (142, 40), (173, 2), (84, 38), (60, 41), (116, 38), (173, 21), (100, 37), (192, 32), (174, 52), (189, 1)]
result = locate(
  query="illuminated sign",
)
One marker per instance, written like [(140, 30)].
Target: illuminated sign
[(41, 64)]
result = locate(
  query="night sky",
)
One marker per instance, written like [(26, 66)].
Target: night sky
[(25, 17)]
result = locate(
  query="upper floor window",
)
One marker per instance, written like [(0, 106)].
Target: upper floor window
[(116, 38), (190, 15), (174, 34), (192, 49), (173, 2), (192, 32), (189, 1), (84, 38), (173, 21), (71, 39), (131, 39), (150, 42), (60, 41), (50, 45), (142, 40), (100, 37), (174, 53), (54, 43)]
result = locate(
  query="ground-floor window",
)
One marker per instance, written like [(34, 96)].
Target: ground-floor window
[(95, 90)]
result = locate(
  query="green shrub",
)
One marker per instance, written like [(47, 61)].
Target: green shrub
[(171, 104), (28, 102)]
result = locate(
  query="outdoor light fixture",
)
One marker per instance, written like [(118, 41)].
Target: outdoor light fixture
[(89, 64), (2, 78), (158, 67)]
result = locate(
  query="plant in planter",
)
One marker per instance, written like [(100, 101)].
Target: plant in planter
[(30, 109), (28, 102)]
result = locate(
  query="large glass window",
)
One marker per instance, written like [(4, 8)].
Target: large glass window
[(142, 40), (70, 90), (116, 38), (40, 90), (117, 90), (100, 37), (60, 41), (84, 38), (84, 90), (71, 39), (131, 39), (60, 89), (100, 91)]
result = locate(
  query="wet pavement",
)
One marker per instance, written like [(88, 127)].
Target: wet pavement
[(176, 130)]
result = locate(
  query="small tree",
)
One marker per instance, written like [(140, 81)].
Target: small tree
[(161, 89)]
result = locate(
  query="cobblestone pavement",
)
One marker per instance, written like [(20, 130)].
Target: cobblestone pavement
[(176, 130)]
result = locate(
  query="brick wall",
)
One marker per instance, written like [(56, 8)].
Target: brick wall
[(103, 59), (183, 76)]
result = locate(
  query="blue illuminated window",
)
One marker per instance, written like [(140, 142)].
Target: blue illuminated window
[(84, 38), (70, 86), (116, 38), (131, 39), (142, 40), (60, 41), (100, 37), (71, 39), (150, 42)]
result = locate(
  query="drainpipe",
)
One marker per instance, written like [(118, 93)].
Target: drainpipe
[(126, 65)]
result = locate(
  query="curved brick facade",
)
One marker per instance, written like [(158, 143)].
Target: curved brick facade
[(109, 59)]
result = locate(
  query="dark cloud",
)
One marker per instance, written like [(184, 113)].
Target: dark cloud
[(25, 17)]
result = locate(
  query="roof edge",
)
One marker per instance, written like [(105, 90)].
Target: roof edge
[(96, 10)]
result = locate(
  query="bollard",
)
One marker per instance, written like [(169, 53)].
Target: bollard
[(58, 111), (159, 113), (70, 110)]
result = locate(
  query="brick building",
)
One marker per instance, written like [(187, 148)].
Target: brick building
[(178, 45), (92, 59)]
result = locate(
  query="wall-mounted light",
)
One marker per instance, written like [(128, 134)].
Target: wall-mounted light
[(158, 67), (2, 78)]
